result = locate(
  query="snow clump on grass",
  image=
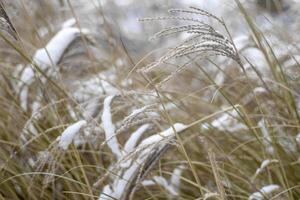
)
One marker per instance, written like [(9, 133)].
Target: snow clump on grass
[(69, 134)]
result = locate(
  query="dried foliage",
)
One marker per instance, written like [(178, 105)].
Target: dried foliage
[(216, 116)]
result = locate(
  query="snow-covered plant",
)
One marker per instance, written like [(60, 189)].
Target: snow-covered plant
[(266, 191), (263, 166), (69, 134), (135, 159)]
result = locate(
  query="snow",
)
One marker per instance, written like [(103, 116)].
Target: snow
[(31, 162), (29, 129), (43, 31), (71, 112), (172, 186), (213, 6), (143, 151), (241, 41), (52, 52), (69, 23), (120, 183), (27, 75), (56, 47), (263, 165), (257, 59), (137, 112), (267, 139), (94, 86), (220, 78), (109, 127), (263, 192), (294, 60), (69, 134), (227, 122), (163, 182), (210, 195), (175, 178), (132, 141), (105, 193), (298, 138), (24, 97), (130, 24), (162, 135), (259, 90), (168, 106), (46, 57), (36, 106), (148, 183)]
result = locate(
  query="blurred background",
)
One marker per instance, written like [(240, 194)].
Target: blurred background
[(121, 17)]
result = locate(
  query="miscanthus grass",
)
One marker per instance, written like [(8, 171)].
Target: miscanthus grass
[(214, 116)]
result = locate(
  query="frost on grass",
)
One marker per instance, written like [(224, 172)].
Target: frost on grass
[(30, 128), (241, 42), (210, 195), (255, 58), (143, 115), (267, 138), (51, 54), (263, 165), (162, 135), (287, 145), (54, 50), (46, 57), (136, 112), (134, 166), (298, 138), (69, 134), (172, 186), (109, 127), (134, 138), (69, 23), (227, 122), (96, 85), (265, 191)]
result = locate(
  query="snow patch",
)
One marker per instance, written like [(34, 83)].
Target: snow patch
[(172, 186), (55, 48), (69, 23), (263, 192), (52, 52), (298, 138), (227, 122), (266, 137), (162, 135), (263, 165), (143, 152), (45, 57), (109, 127), (132, 141), (69, 134)]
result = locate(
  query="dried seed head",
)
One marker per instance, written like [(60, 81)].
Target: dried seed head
[(5, 23), (205, 40)]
